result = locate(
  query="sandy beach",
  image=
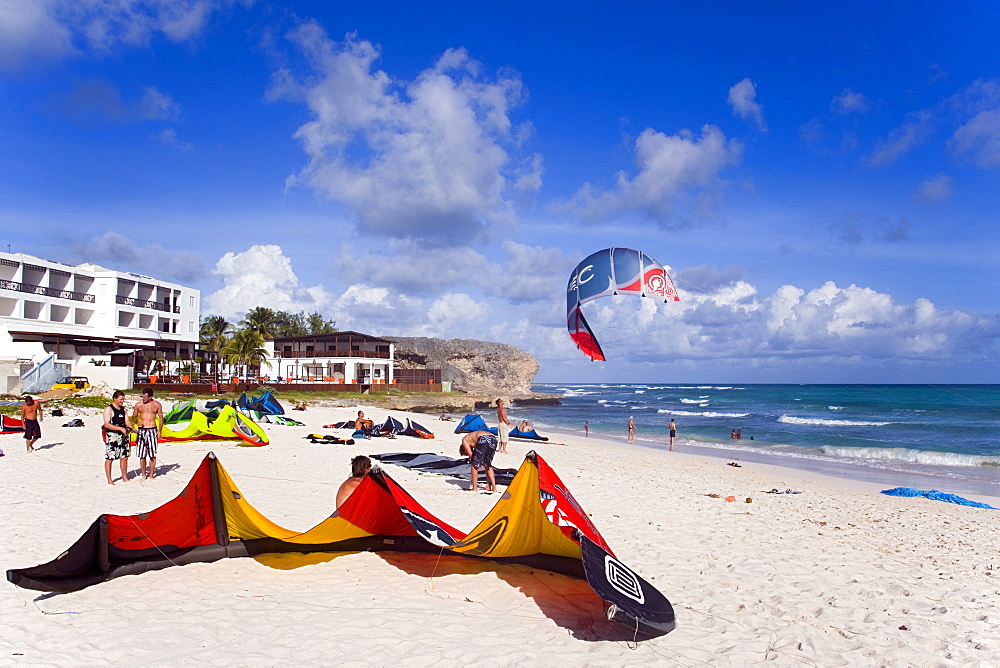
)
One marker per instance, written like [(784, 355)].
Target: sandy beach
[(836, 575)]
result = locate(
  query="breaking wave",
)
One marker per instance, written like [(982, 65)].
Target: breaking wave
[(703, 413), (925, 457), (788, 419)]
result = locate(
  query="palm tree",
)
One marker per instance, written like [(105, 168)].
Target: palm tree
[(246, 348), (215, 332), (262, 320)]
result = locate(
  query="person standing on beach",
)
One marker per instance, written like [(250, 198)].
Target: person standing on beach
[(586, 428), (480, 446), (503, 426), (149, 415), (673, 432), (360, 466), (631, 429), (115, 431), (31, 415)]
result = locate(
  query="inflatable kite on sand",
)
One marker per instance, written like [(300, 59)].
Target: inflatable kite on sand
[(536, 522), (612, 271), (200, 420)]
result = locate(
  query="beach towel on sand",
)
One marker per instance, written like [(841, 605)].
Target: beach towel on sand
[(936, 496)]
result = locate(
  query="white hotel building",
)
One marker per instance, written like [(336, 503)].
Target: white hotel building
[(74, 315)]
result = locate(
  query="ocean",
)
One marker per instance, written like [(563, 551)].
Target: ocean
[(903, 435)]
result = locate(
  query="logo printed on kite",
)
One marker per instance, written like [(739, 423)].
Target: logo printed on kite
[(656, 282), (623, 579)]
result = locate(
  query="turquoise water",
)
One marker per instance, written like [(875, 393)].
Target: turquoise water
[(944, 431)]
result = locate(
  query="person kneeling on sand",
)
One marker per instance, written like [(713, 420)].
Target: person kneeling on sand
[(360, 466), (480, 446)]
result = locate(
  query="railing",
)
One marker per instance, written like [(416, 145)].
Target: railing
[(145, 303), (48, 292), (41, 376), (331, 353)]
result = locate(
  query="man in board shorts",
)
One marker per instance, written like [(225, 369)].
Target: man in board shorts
[(480, 446), (115, 432), (148, 414), (31, 415)]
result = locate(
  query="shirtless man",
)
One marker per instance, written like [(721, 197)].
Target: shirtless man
[(362, 422), (631, 429), (479, 447), (503, 425), (148, 414), (31, 415), (673, 432), (360, 466)]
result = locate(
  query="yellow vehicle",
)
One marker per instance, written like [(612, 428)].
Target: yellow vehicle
[(72, 383)]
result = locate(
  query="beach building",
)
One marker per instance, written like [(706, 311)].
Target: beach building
[(85, 320), (341, 357)]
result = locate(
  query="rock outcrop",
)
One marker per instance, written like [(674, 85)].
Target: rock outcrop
[(478, 368)]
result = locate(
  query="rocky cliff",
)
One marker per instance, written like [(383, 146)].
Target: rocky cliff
[(478, 368)]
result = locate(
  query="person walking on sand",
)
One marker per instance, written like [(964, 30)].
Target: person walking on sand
[(503, 426), (631, 429), (31, 415), (148, 414), (673, 432), (586, 428), (115, 432), (360, 466)]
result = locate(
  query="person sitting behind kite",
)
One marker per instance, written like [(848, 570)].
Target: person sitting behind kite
[(524, 427), (363, 423), (360, 466)]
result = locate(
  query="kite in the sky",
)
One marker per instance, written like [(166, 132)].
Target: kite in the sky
[(612, 271)]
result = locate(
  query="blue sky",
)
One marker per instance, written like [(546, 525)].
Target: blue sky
[(821, 182)]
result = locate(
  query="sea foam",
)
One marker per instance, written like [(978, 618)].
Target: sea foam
[(789, 419), (926, 457), (702, 413)]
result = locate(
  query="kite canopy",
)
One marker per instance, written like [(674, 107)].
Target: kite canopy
[(212, 420), (9, 425), (473, 422), (265, 404), (612, 271), (536, 522)]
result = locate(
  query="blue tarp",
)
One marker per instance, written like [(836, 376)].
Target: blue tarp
[(936, 496)]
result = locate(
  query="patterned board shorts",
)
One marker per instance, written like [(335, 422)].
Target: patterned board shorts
[(145, 443), (482, 454), (115, 445)]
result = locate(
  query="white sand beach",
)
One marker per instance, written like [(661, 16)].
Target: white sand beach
[(836, 575)]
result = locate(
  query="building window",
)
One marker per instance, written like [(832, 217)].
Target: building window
[(190, 326), (192, 301)]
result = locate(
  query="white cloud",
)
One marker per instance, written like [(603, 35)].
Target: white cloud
[(978, 140), (912, 133), (118, 252), (670, 168), (850, 102), (936, 188), (743, 99), (169, 137), (53, 29), (422, 159), (98, 101), (261, 276), (733, 323)]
